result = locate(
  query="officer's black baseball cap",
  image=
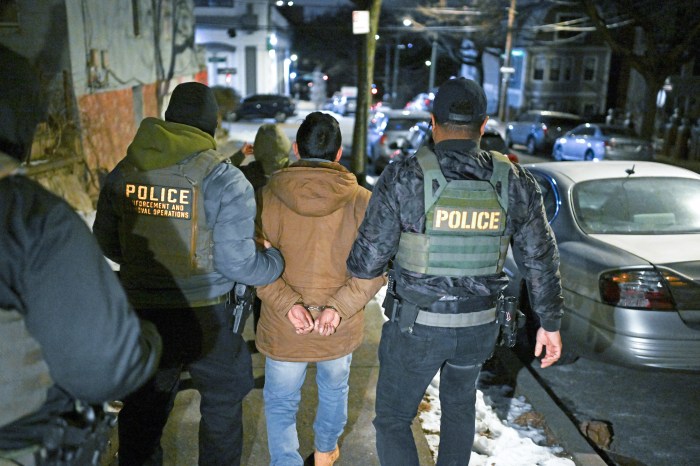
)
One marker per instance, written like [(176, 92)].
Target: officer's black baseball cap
[(194, 104), (461, 101)]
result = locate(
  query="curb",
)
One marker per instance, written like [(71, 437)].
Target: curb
[(564, 429)]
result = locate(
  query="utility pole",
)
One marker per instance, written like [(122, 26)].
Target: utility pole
[(433, 63), (395, 84), (365, 78), (506, 69)]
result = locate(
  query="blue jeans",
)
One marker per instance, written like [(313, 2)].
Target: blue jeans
[(407, 364), (282, 394)]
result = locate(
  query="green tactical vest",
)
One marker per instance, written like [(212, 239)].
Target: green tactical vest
[(164, 233), (24, 375), (465, 223)]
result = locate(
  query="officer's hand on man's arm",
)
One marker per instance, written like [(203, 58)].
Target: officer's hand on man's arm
[(327, 322), (301, 319), (551, 342)]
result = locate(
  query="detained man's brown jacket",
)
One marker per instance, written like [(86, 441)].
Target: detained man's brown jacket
[(311, 212)]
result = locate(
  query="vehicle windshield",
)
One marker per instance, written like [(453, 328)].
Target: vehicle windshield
[(638, 206), (555, 122), (617, 132), (401, 124)]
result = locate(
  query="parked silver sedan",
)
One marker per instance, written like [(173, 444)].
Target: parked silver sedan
[(602, 142), (629, 240), (388, 130)]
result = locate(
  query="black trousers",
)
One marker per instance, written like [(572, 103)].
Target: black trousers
[(200, 341)]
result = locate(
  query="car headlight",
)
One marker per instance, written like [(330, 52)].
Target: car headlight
[(649, 289)]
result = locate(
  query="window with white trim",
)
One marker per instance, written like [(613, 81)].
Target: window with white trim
[(589, 68), (554, 69), (538, 65)]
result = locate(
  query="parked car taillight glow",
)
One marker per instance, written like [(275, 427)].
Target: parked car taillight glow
[(637, 289)]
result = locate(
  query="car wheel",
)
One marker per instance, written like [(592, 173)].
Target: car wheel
[(280, 117), (588, 155), (558, 153), (531, 147)]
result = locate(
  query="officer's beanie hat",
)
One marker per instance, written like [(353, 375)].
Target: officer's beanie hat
[(460, 101), (272, 148), (21, 104), (193, 104)]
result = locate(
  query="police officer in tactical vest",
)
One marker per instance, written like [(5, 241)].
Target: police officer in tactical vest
[(69, 340), (178, 218), (445, 219)]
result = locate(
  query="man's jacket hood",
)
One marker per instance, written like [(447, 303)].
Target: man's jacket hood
[(159, 144), (314, 189)]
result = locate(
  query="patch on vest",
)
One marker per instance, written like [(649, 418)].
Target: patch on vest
[(159, 201), (454, 219)]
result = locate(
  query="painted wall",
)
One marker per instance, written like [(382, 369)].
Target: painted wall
[(254, 23), (98, 61)]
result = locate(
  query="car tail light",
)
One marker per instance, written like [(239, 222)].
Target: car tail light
[(639, 289), (382, 140), (609, 143), (545, 129)]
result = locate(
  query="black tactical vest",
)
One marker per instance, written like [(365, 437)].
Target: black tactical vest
[(464, 223), (24, 375)]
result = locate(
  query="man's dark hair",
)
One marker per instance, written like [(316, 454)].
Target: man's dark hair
[(319, 137)]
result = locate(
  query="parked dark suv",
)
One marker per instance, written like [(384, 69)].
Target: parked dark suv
[(538, 129), (279, 107)]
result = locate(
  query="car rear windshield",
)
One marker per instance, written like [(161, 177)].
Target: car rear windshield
[(401, 124), (493, 142), (638, 206), (558, 121), (617, 132)]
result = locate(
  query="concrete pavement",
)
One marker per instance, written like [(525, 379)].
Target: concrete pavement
[(357, 445)]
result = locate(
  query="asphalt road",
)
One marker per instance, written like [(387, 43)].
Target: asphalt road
[(652, 415)]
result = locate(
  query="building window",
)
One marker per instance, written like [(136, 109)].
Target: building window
[(9, 14), (590, 109), (214, 3), (135, 17), (516, 80), (589, 66), (554, 69), (566, 68), (538, 68)]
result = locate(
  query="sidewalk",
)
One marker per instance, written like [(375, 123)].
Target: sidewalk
[(357, 445)]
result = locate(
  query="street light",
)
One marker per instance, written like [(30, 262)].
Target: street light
[(394, 85), (506, 69)]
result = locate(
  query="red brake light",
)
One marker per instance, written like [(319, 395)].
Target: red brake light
[(382, 140), (636, 289)]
